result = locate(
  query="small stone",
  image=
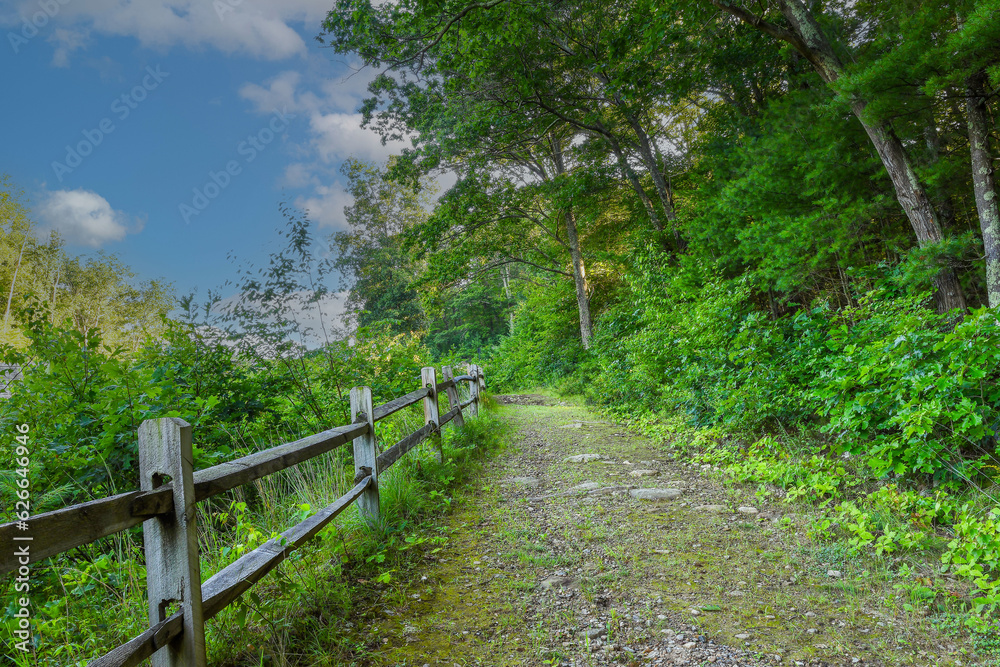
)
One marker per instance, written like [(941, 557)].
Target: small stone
[(694, 612), (655, 494), (586, 486), (531, 482), (583, 458), (594, 633), (743, 636), (690, 645), (834, 573), (710, 508), (642, 473), (573, 425), (810, 614), (746, 510), (812, 631), (559, 582)]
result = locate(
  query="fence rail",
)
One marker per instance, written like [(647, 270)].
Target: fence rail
[(167, 510)]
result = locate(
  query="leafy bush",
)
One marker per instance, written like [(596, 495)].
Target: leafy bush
[(544, 346), (909, 392)]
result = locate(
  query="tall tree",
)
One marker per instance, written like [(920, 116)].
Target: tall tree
[(803, 31), (370, 253)]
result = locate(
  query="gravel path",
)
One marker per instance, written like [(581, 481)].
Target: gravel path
[(587, 545)]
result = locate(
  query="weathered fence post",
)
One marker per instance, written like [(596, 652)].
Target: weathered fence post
[(428, 378), (364, 453), (173, 572), (453, 399), (474, 389)]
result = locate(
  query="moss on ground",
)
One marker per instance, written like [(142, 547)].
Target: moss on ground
[(640, 570)]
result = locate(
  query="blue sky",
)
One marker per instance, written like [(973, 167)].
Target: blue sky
[(168, 131)]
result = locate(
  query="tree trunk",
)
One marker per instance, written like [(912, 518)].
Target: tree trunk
[(983, 182), (580, 279), (910, 192), (573, 241), (807, 37), (510, 301), (912, 196), (633, 179), (13, 282), (662, 189), (55, 283)]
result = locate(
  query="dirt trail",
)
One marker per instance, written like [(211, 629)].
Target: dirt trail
[(541, 570)]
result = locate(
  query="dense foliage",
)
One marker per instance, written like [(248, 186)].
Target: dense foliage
[(96, 293), (769, 218), (771, 228)]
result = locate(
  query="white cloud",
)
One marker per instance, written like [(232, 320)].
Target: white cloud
[(278, 95), (318, 323), (258, 28), (84, 217), (346, 93), (285, 90), (66, 41), (335, 129), (337, 136), (299, 175), (320, 320), (326, 205)]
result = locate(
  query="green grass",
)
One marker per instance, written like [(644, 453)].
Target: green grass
[(302, 613)]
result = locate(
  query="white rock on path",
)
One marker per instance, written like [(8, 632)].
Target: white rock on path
[(559, 582), (655, 494), (711, 508), (642, 473), (586, 486), (746, 510), (583, 458), (524, 481)]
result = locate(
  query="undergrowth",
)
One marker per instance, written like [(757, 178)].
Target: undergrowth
[(940, 544), (312, 608)]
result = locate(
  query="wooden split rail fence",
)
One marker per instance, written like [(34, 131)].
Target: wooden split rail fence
[(166, 503)]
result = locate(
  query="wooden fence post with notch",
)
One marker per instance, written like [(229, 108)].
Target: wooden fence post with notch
[(453, 399), (428, 378), (474, 389), (173, 572), (365, 456)]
